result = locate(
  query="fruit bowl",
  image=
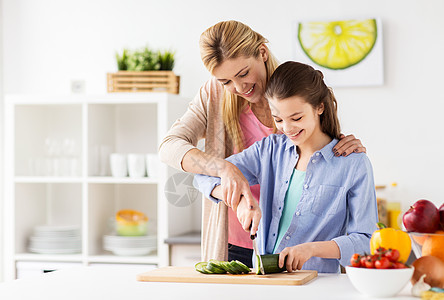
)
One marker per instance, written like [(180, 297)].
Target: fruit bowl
[(428, 244), (379, 282), (131, 223)]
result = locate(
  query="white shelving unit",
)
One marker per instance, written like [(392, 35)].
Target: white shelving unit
[(75, 187)]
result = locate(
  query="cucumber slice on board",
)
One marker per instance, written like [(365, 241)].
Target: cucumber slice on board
[(236, 266), (214, 267), (229, 268), (245, 268), (201, 267)]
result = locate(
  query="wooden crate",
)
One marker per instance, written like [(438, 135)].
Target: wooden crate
[(143, 81)]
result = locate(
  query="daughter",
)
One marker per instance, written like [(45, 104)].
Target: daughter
[(315, 209)]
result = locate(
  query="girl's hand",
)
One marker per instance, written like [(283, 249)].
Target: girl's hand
[(249, 216), (296, 256), (234, 185), (348, 144)]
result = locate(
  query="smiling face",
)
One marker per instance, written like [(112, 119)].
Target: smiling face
[(244, 76), (298, 120)]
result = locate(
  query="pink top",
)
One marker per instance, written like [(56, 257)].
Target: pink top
[(253, 131)]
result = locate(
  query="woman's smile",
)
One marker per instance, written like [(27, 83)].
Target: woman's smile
[(243, 76), (249, 92)]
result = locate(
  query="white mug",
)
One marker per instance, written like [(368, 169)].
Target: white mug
[(152, 164), (136, 165), (118, 165)]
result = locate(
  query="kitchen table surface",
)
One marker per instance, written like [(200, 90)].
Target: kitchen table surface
[(97, 282)]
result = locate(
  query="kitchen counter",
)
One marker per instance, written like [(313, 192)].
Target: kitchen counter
[(119, 283)]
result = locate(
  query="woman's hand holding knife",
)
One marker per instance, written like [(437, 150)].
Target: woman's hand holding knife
[(246, 208), (249, 215), (234, 185)]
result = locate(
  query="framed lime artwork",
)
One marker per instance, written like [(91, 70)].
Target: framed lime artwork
[(348, 52)]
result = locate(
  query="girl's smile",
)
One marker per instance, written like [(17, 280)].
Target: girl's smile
[(294, 136)]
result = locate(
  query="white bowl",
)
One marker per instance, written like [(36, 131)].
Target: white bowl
[(379, 282)]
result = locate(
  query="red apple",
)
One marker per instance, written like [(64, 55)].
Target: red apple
[(422, 216), (441, 215)]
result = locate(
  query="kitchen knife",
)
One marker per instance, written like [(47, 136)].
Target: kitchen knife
[(256, 252)]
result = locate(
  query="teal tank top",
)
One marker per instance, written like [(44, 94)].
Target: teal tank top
[(292, 197)]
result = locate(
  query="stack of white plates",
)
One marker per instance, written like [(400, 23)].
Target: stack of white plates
[(129, 245), (55, 240)]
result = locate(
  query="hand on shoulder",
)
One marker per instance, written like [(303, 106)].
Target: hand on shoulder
[(347, 145)]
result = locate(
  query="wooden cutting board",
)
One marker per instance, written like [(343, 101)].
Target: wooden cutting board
[(189, 274)]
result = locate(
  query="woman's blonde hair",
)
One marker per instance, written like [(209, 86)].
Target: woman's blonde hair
[(229, 40)]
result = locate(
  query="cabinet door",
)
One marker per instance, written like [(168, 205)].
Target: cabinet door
[(185, 255), (27, 269)]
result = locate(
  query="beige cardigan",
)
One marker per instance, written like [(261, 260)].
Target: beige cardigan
[(203, 120)]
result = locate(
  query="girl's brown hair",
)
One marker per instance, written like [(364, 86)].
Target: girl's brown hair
[(297, 79), (229, 40)]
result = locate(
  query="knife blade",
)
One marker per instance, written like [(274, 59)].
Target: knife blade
[(256, 252)]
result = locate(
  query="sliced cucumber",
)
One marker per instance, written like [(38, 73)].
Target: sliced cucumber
[(230, 269), (237, 267), (245, 268), (201, 267), (214, 267), (222, 264)]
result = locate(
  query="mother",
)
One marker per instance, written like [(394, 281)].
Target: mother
[(231, 113)]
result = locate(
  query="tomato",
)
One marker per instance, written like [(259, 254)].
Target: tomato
[(370, 261), (380, 251), (382, 259), (362, 260), (355, 260), (382, 263), (399, 265), (392, 254)]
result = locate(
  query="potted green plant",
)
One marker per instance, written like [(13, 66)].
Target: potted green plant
[(122, 60), (144, 70), (143, 60), (166, 60)]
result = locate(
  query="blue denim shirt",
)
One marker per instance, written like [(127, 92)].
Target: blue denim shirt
[(338, 200)]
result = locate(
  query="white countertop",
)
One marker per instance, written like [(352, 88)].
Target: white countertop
[(110, 283)]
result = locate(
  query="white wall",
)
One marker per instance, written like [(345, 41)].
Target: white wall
[(48, 43), (1, 137)]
